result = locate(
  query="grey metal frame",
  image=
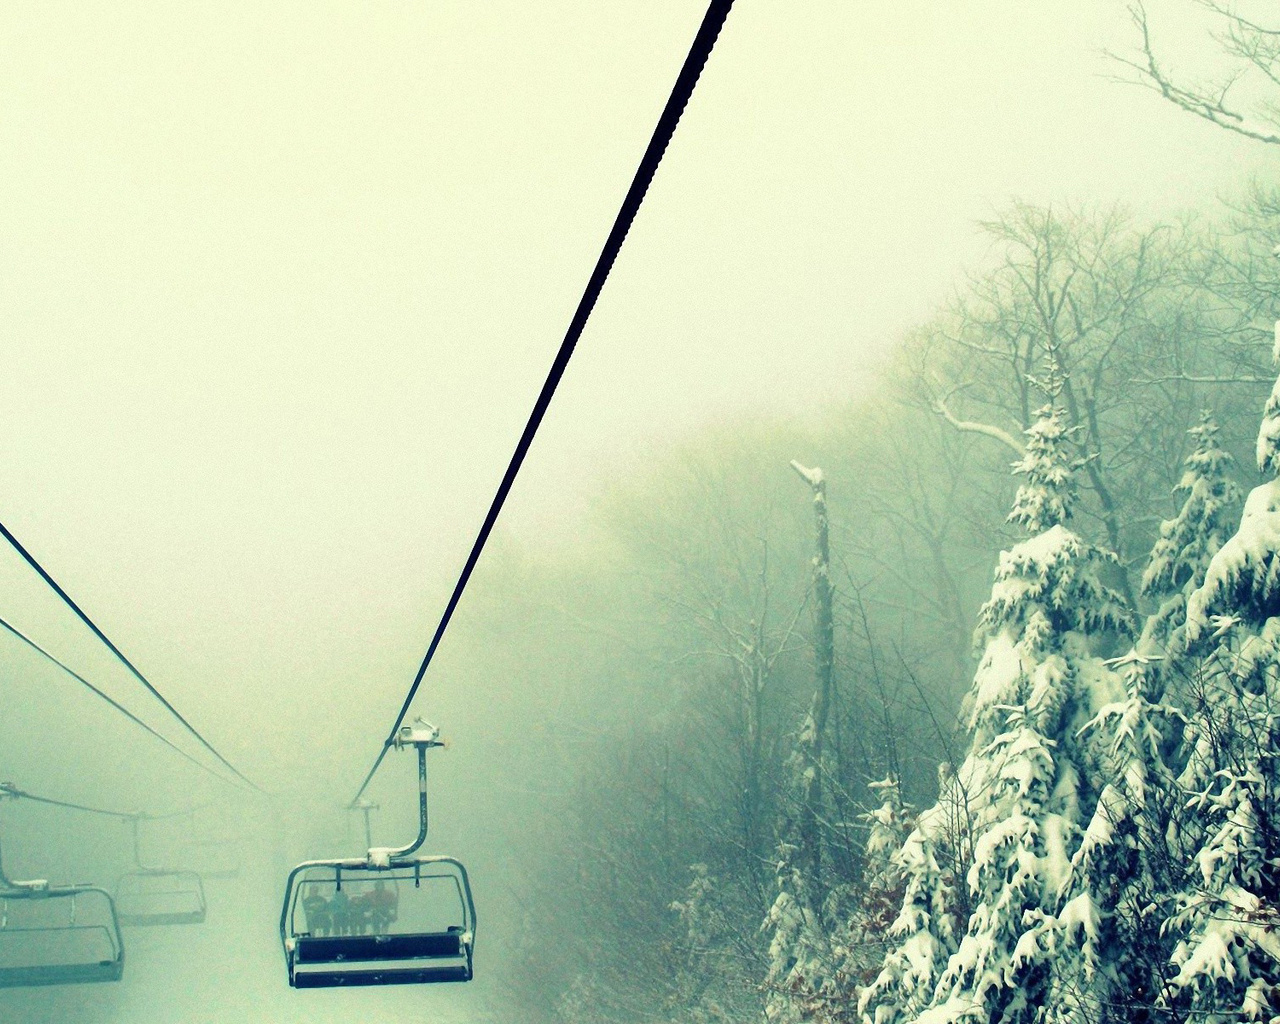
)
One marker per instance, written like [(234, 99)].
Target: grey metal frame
[(411, 958), (78, 973), (184, 883)]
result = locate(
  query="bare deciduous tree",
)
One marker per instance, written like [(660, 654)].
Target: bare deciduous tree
[(1126, 314), (1245, 97)]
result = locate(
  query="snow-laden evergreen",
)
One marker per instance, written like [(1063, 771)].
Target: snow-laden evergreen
[(1226, 923), (882, 876), (1189, 541), (816, 942), (814, 975), (926, 930), (1113, 957), (984, 867), (1114, 948), (798, 951)]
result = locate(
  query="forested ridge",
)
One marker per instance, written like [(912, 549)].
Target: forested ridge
[(956, 704)]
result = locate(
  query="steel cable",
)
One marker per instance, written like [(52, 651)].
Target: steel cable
[(119, 707), (703, 43), (66, 598), (9, 789)]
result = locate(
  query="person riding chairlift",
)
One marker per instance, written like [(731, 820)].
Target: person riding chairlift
[(384, 906), (317, 912), (340, 911)]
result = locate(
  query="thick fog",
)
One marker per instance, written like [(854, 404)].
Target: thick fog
[(279, 285)]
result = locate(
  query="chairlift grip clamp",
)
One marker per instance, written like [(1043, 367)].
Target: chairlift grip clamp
[(421, 734)]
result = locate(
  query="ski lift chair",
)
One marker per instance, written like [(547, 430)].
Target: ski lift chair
[(148, 897), (57, 934), (390, 918), (216, 857)]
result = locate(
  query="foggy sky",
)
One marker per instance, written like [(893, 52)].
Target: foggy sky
[(279, 283)]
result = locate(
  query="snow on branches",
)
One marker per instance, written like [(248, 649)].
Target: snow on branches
[(1189, 540), (980, 924)]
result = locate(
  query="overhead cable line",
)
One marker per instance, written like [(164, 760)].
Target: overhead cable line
[(115, 704), (703, 44), (10, 790), (66, 598)]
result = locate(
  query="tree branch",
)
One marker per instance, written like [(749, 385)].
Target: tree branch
[(972, 427), (1208, 104)]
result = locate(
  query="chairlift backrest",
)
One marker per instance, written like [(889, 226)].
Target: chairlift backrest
[(215, 858), (58, 935), (149, 896), (346, 922), (153, 897)]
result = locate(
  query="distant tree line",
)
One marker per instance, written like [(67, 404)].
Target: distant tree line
[(758, 801)]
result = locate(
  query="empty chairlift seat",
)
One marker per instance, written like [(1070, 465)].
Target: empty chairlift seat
[(152, 896), (58, 935), (215, 857), (349, 922)]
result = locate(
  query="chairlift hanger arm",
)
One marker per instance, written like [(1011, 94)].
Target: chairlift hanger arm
[(137, 843), (429, 739), (699, 52), (12, 887), (8, 883)]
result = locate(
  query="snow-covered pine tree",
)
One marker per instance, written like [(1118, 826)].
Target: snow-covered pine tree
[(932, 861), (1187, 542), (815, 977), (1227, 922), (882, 872), (1114, 956), (712, 969), (803, 981), (1011, 815), (799, 953)]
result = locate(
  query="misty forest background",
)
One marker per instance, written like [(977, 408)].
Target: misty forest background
[(954, 704), (723, 812)]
